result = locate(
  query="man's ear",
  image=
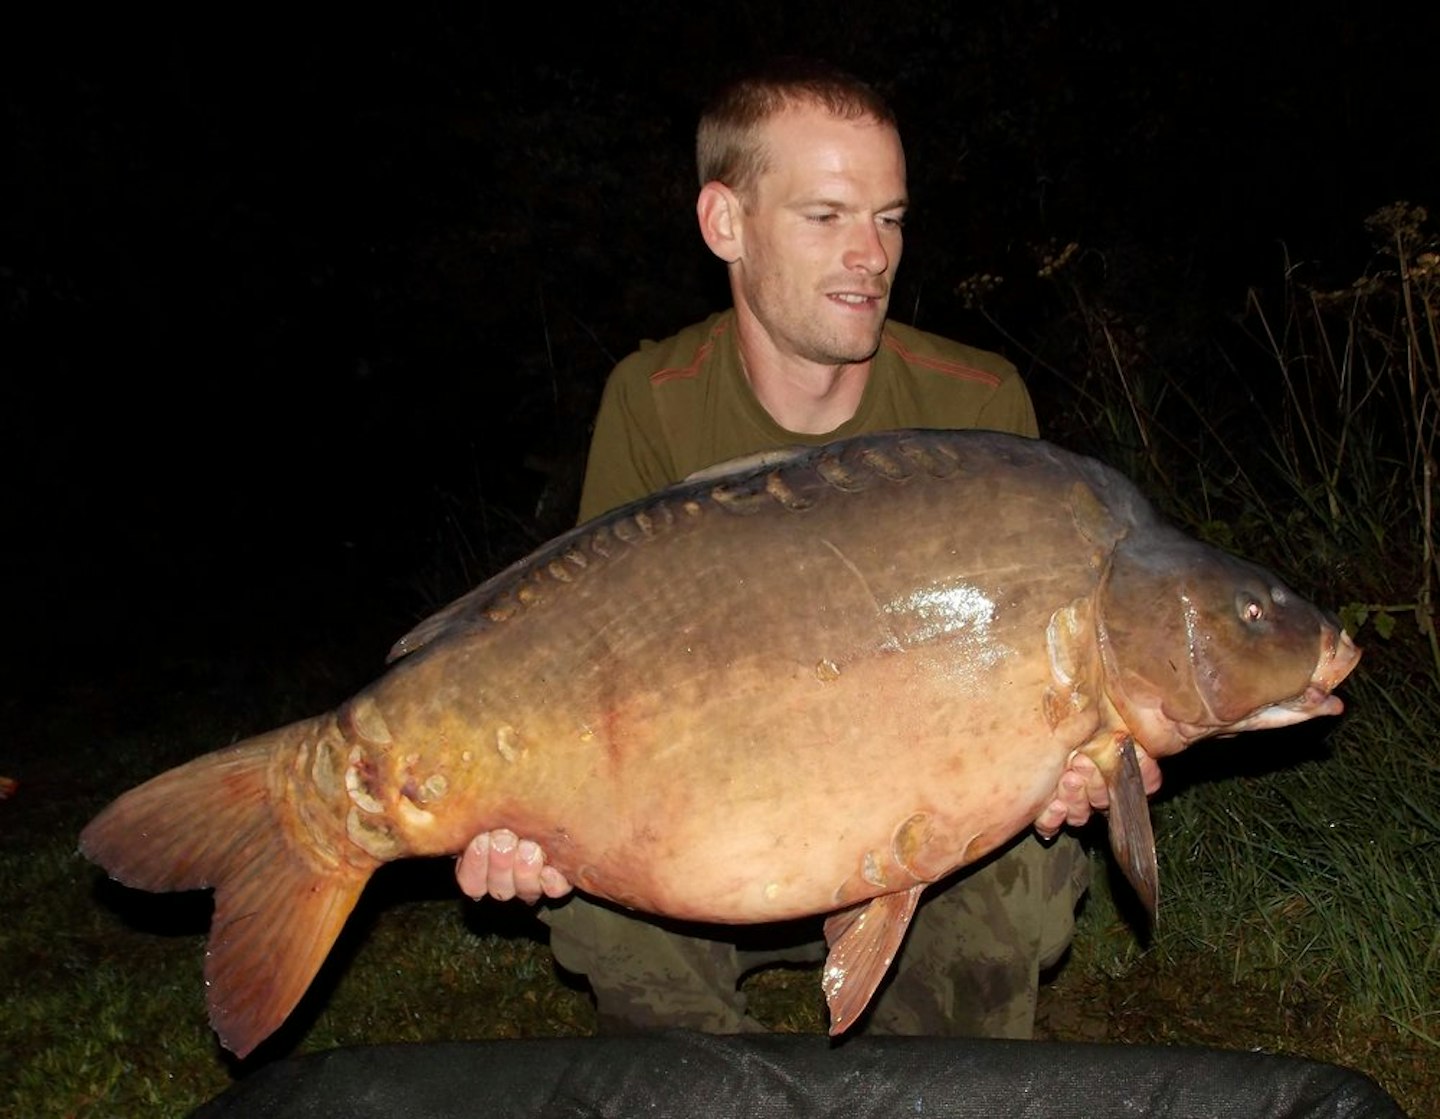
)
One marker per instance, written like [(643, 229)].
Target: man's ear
[(721, 220)]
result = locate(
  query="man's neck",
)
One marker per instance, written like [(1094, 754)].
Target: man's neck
[(802, 396)]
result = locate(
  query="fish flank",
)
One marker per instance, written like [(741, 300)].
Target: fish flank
[(891, 639)]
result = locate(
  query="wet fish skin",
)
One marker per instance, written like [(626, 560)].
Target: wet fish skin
[(818, 685)]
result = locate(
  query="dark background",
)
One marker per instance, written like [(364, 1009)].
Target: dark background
[(303, 322)]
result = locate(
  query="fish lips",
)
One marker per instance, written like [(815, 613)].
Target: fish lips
[(1338, 658)]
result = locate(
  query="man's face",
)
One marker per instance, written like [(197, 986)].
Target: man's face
[(821, 235)]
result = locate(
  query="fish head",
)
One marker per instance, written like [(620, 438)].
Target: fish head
[(1197, 643)]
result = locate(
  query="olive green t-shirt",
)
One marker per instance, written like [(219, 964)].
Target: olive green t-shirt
[(681, 405)]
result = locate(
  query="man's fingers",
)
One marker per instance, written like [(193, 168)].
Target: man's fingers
[(528, 872), (1082, 792), (500, 865), (555, 884), (1149, 772), (473, 867), (487, 867), (1051, 820)]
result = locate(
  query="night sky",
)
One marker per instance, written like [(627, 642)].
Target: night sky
[(302, 324)]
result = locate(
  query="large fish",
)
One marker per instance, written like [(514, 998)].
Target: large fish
[(809, 687)]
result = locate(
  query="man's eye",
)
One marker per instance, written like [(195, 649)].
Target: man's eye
[(825, 218), (893, 221)]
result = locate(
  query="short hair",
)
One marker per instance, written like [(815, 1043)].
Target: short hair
[(727, 143)]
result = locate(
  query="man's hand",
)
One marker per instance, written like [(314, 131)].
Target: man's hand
[(1082, 791), (500, 865)]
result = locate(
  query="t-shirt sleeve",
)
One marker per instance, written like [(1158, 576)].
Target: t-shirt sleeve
[(629, 457), (1009, 409)]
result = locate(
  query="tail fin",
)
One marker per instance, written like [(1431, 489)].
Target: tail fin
[(278, 910)]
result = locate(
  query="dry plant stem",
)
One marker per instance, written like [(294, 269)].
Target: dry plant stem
[(1140, 425), (1422, 382)]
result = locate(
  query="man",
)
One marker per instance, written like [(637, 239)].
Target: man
[(803, 196)]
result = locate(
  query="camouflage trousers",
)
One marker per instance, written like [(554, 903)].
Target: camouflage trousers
[(970, 965)]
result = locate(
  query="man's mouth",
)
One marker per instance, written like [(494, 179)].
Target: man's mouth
[(855, 298)]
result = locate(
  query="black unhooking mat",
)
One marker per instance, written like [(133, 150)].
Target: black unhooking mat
[(685, 1074)]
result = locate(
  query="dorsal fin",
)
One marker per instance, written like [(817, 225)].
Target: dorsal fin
[(748, 464)]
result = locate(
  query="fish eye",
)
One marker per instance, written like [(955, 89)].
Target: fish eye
[(1250, 608)]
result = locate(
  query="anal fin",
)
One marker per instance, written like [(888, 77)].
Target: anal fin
[(863, 941)]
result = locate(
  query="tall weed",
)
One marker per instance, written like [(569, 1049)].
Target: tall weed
[(1302, 434)]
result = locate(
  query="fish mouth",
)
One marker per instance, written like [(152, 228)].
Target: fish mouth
[(1311, 702), (1338, 657)]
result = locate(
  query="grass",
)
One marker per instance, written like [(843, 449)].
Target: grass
[(1300, 889), (1322, 874), (1335, 863)]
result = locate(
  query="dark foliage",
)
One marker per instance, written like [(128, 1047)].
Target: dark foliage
[(304, 321)]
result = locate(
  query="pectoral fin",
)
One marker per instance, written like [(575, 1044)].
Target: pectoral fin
[(1131, 836), (863, 941)]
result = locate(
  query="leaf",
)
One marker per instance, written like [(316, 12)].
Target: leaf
[(1353, 616)]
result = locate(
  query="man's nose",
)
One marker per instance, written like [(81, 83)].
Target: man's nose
[(866, 251)]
